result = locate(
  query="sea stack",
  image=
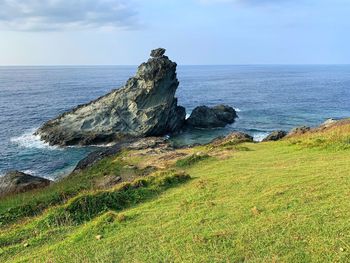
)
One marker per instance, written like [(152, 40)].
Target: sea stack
[(145, 106), (211, 117)]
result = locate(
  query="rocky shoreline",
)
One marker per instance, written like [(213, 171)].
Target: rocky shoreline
[(146, 106), (14, 182), (136, 117)]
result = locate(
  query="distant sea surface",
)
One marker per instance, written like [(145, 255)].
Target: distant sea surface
[(266, 98)]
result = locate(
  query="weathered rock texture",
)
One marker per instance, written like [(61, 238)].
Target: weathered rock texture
[(134, 144), (232, 139), (298, 131), (211, 117), (18, 182), (156, 53), (275, 136), (145, 106), (327, 125)]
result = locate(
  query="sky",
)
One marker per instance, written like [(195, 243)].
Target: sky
[(194, 32)]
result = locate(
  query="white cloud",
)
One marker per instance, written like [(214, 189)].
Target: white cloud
[(41, 15)]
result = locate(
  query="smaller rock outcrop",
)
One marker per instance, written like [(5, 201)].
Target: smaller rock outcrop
[(132, 144), (275, 136), (299, 130), (18, 182), (232, 139), (328, 123), (211, 117)]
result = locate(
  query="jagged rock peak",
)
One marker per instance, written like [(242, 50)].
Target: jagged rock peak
[(157, 53)]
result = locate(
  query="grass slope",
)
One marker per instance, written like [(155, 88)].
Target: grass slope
[(284, 201)]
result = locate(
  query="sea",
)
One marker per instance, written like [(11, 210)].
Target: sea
[(266, 98)]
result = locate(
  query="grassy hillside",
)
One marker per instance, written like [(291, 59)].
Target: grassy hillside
[(285, 201)]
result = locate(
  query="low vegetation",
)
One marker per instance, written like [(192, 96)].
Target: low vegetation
[(191, 159), (284, 201), (334, 138)]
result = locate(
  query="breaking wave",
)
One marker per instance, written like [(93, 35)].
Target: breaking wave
[(29, 140)]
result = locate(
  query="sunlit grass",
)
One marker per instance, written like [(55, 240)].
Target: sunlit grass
[(284, 201)]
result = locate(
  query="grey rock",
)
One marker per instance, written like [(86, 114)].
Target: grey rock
[(17, 182), (299, 130), (275, 136), (133, 144), (156, 53), (108, 181), (331, 123), (328, 123), (145, 106), (232, 139), (211, 117)]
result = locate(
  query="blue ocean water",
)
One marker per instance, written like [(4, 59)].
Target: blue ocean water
[(266, 98)]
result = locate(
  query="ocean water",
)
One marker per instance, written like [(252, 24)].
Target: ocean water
[(265, 97)]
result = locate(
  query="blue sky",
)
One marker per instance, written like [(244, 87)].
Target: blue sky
[(122, 32)]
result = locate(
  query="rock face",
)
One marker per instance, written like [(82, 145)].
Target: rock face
[(299, 130), (206, 117), (145, 106), (18, 182), (232, 139), (275, 136), (134, 144), (328, 123), (157, 53)]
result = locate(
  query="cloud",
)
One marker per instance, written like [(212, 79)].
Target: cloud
[(54, 15)]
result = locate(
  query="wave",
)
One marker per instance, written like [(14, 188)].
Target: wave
[(259, 136), (31, 172), (29, 140), (238, 109)]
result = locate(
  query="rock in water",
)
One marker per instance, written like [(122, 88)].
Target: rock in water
[(18, 182), (206, 117), (145, 106)]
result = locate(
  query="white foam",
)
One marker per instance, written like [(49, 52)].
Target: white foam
[(187, 116), (29, 140), (259, 136), (238, 109), (31, 172)]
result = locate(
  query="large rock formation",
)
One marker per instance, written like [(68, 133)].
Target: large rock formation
[(18, 182), (206, 117), (145, 106)]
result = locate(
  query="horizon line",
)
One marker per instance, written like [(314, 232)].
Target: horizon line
[(136, 65)]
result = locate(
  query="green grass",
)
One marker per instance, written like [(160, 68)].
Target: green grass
[(191, 160), (284, 201), (33, 203)]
